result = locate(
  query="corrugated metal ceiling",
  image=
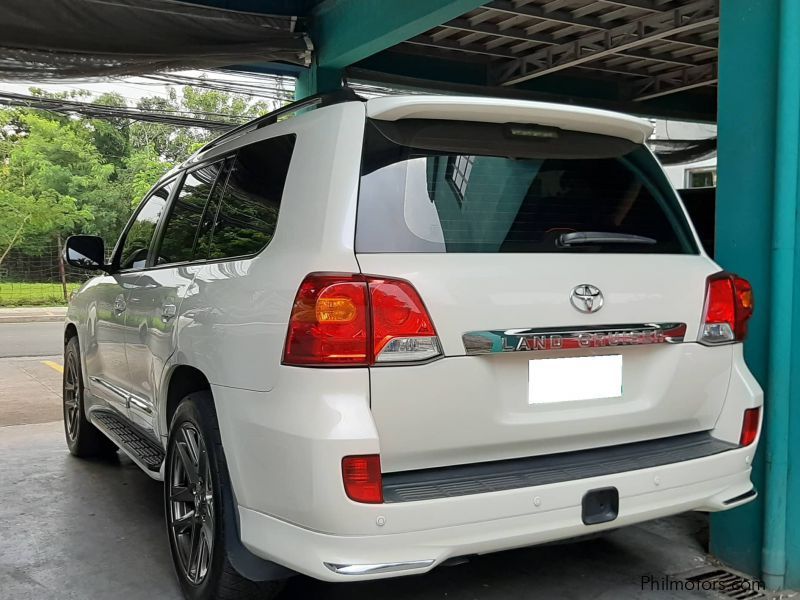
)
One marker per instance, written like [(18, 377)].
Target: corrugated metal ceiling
[(659, 46)]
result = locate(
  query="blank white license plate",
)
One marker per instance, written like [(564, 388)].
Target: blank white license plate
[(580, 378)]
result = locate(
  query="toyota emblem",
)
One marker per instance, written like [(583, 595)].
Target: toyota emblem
[(586, 298)]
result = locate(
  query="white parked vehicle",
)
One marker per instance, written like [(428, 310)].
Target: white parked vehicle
[(375, 336)]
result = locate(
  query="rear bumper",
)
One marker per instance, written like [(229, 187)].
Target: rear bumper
[(284, 450), (494, 521)]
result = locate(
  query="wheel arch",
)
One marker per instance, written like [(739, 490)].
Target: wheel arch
[(181, 381), (70, 331)]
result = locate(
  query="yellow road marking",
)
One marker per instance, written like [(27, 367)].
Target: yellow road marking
[(53, 365)]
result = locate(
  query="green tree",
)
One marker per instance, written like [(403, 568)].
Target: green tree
[(61, 175), (51, 172), (111, 136), (176, 143), (143, 168)]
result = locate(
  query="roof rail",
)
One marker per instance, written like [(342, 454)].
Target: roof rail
[(316, 101)]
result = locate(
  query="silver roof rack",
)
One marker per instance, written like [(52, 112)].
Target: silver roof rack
[(315, 101)]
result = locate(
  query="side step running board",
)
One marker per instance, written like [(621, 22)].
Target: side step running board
[(143, 451)]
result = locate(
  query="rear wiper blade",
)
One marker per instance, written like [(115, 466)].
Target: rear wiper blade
[(577, 238)]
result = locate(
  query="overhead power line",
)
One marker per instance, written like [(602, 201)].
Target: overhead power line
[(100, 111), (276, 88), (273, 88)]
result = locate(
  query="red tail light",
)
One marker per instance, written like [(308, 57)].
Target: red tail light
[(729, 305), (750, 423), (362, 478), (401, 327), (358, 320), (329, 322)]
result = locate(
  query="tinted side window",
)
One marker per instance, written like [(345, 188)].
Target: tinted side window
[(179, 241), (248, 210), (138, 237), (203, 244)]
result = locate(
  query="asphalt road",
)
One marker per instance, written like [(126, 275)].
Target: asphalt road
[(31, 339)]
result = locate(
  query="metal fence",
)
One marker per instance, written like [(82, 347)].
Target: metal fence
[(35, 275)]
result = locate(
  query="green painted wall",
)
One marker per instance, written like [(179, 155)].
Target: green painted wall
[(757, 230), (744, 222)]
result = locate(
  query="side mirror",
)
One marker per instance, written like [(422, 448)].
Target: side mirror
[(86, 252)]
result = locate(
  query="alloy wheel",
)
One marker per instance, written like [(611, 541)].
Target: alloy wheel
[(191, 503), (72, 404)]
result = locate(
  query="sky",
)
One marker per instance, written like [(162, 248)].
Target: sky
[(131, 88)]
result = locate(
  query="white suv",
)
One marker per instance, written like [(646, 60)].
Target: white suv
[(375, 336)]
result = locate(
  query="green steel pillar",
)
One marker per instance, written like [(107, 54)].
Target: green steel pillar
[(347, 31), (757, 232), (317, 79)]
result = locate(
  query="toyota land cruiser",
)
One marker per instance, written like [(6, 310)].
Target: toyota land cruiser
[(361, 341)]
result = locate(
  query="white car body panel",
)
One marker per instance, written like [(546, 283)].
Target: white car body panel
[(244, 305), (285, 429), (504, 110), (304, 438), (486, 397), (705, 485)]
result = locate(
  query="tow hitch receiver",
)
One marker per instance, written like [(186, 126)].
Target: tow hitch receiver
[(600, 506)]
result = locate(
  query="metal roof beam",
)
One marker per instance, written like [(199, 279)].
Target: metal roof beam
[(603, 43), (516, 33), (541, 12), (571, 17), (424, 40), (677, 81), (601, 5), (346, 31), (692, 40), (650, 5), (520, 34)]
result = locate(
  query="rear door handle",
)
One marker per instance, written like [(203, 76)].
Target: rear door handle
[(119, 304), (168, 311)]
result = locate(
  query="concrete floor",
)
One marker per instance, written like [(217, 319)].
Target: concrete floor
[(75, 529)]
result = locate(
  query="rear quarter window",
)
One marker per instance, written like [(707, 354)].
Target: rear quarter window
[(247, 214), (450, 186)]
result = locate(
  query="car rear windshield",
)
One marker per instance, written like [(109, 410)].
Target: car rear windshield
[(454, 186)]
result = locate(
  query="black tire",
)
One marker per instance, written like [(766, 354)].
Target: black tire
[(194, 507), (84, 440)]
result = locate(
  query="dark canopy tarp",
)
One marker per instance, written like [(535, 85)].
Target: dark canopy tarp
[(90, 38)]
